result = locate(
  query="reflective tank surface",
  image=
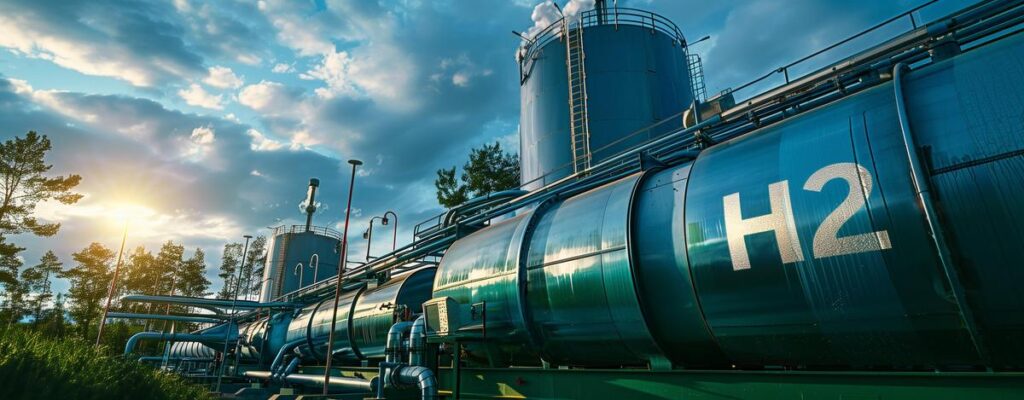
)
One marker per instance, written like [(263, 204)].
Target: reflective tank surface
[(802, 244), (635, 76)]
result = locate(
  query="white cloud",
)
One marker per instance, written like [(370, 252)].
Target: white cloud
[(200, 142), (195, 95), (261, 142), (460, 79), (223, 77), (271, 98), (282, 68)]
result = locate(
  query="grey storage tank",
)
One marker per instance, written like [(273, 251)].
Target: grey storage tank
[(300, 255), (589, 83)]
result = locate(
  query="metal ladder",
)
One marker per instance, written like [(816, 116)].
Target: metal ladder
[(578, 118), (696, 68)]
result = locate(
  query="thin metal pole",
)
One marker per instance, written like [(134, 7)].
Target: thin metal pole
[(231, 321), (113, 284), (341, 270)]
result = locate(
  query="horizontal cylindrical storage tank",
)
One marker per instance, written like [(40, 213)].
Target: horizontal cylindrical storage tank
[(485, 268), (636, 74), (363, 318), (801, 245)]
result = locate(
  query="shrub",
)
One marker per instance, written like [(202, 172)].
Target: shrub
[(34, 367)]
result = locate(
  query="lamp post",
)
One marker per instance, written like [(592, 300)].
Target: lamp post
[(314, 262), (338, 279), (231, 320), (368, 235), (113, 283), (394, 233)]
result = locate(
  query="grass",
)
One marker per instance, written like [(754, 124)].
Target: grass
[(36, 367)]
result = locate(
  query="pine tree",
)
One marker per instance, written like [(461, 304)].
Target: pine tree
[(193, 280), (253, 268), (53, 322), (229, 263), (89, 278), (37, 279), (140, 277)]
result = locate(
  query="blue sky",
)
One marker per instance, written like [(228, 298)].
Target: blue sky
[(207, 118)]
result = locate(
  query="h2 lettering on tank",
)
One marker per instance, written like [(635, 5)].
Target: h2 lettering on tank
[(781, 222)]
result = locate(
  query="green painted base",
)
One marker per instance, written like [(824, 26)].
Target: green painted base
[(536, 383)]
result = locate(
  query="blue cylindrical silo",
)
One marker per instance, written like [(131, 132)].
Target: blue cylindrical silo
[(596, 80)]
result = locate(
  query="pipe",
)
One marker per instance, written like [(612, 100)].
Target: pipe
[(417, 341), (341, 382), (281, 353), (289, 369), (393, 348), (181, 318), (924, 196), (204, 302), (451, 215), (129, 347), (401, 375)]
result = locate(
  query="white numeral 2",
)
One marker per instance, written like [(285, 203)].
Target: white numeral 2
[(827, 243)]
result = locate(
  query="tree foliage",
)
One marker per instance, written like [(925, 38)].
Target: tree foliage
[(24, 184), (230, 260), (254, 264), (89, 282), (37, 279), (489, 169)]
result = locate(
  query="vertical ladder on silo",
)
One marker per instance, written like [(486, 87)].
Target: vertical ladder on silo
[(278, 285), (697, 77), (578, 118)]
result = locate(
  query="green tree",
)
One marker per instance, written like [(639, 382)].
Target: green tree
[(37, 279), (23, 184), (53, 321), (489, 169), (193, 280), (230, 260), (253, 268), (89, 279)]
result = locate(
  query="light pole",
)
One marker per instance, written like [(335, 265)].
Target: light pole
[(231, 321), (394, 234), (113, 283), (314, 262), (368, 235), (341, 270), (299, 272)]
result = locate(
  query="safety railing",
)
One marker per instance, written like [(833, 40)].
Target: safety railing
[(612, 16), (319, 230)]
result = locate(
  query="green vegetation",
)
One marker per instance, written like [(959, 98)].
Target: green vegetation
[(489, 169), (35, 367)]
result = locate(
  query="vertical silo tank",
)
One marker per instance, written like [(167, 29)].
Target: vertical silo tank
[(632, 73), (300, 255), (316, 250)]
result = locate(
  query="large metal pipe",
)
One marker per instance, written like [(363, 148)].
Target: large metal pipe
[(274, 365), (204, 302), (393, 346), (401, 375), (417, 341), (339, 382), (129, 347), (179, 318)]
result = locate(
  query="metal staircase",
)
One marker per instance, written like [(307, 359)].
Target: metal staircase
[(578, 118), (700, 92)]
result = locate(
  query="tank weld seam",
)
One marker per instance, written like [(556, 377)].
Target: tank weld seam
[(577, 257), (977, 162)]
